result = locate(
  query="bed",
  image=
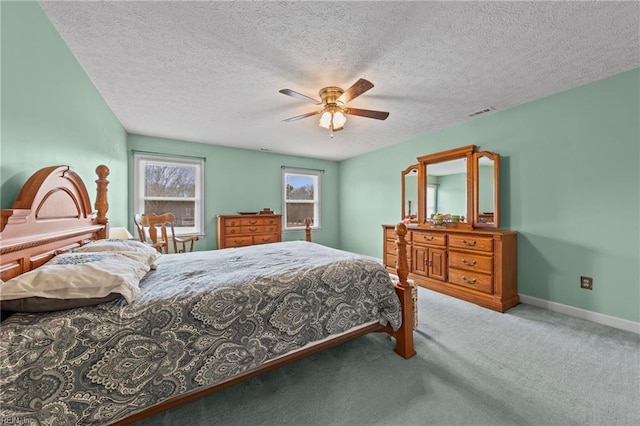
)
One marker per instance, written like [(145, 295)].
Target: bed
[(192, 324)]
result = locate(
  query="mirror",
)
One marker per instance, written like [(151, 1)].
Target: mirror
[(447, 189), (486, 175), (446, 193), (410, 193)]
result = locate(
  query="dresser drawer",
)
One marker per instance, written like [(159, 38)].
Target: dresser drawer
[(472, 280), (430, 238), (471, 242), (252, 229), (251, 221), (232, 230), (271, 221), (390, 260), (266, 238), (272, 229), (238, 241), (391, 247), (231, 222), (471, 262), (390, 234)]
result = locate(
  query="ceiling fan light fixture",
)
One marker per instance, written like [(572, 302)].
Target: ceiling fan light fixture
[(333, 118), (339, 120)]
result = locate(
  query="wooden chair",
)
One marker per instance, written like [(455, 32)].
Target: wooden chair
[(160, 229)]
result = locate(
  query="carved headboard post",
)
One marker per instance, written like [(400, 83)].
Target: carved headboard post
[(102, 206)]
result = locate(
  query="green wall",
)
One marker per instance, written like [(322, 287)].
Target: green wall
[(51, 111), (554, 154), (243, 180)]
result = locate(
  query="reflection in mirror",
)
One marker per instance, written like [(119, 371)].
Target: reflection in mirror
[(447, 190), (487, 171), (410, 193), (485, 190)]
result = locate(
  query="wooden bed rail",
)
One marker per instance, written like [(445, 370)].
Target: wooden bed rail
[(404, 335)]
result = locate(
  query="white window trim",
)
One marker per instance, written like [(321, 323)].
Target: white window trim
[(138, 192), (316, 194)]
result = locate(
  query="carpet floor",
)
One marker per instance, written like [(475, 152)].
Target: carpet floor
[(474, 366)]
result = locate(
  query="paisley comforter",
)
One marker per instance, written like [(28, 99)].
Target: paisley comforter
[(200, 318)]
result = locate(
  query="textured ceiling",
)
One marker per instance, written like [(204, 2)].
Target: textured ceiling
[(210, 71)]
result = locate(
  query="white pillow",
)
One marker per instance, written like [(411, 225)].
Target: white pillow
[(79, 276), (130, 248)]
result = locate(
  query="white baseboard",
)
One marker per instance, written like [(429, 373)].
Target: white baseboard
[(614, 322)]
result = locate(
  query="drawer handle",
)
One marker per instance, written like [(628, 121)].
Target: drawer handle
[(253, 229), (469, 280), (469, 263), (239, 241), (232, 231), (253, 222), (429, 238), (469, 243)]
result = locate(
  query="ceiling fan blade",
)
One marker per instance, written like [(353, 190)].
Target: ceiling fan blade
[(298, 117), (300, 96), (378, 115), (358, 88)]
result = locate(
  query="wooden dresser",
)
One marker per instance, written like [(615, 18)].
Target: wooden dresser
[(247, 230), (475, 265)]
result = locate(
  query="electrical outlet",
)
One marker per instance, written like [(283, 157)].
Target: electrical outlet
[(586, 283)]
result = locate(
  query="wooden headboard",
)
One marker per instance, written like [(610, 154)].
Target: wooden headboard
[(52, 212)]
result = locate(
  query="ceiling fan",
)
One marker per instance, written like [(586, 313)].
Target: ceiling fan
[(334, 100)]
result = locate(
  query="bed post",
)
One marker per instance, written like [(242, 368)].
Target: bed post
[(404, 335), (101, 205), (307, 229)]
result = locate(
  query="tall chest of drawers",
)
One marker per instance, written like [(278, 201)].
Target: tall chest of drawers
[(248, 230), (479, 266)]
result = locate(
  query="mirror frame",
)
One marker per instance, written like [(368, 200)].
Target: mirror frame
[(404, 174), (476, 189), (465, 152)]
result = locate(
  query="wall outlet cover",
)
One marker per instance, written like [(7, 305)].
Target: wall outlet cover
[(586, 283)]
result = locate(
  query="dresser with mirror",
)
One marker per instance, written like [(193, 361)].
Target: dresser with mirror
[(450, 202)]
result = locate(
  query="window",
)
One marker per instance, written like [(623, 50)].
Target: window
[(301, 198), (171, 185)]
